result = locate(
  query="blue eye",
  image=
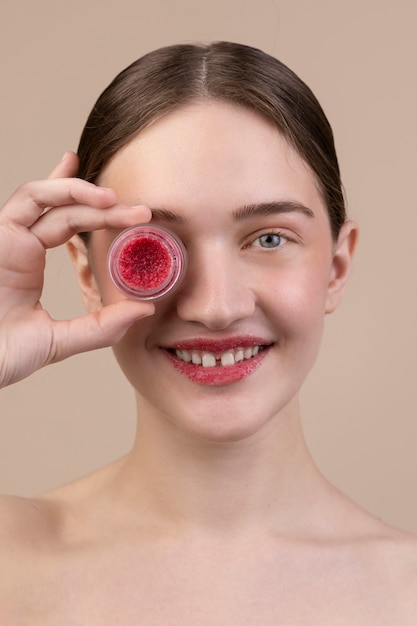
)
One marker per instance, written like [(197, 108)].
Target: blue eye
[(269, 240)]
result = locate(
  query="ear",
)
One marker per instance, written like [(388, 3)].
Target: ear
[(78, 252), (343, 251)]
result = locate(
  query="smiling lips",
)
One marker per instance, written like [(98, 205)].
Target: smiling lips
[(214, 363)]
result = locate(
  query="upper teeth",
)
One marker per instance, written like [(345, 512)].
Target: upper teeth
[(208, 359)]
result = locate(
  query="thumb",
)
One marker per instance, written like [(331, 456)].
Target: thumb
[(99, 329)]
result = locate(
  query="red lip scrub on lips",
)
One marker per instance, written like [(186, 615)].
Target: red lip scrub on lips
[(146, 262)]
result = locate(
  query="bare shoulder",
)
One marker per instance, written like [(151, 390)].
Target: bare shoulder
[(392, 559), (50, 518), (372, 565), (48, 515), (19, 514), (23, 519), (27, 528), (399, 552), (380, 549)]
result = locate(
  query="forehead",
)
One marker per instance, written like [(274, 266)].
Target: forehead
[(211, 149)]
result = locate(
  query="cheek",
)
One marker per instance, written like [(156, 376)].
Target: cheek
[(136, 352), (301, 287), (301, 316), (297, 303), (129, 356)]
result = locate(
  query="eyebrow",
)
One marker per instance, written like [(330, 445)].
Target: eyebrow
[(246, 212), (167, 216), (271, 208)]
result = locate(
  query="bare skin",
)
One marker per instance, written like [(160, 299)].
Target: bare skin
[(218, 514), (29, 338), (74, 557)]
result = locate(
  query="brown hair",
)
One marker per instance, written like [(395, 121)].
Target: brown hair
[(167, 78)]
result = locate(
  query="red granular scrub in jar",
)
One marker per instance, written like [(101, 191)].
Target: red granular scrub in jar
[(147, 262), (144, 263)]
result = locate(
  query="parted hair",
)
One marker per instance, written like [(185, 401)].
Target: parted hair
[(173, 76)]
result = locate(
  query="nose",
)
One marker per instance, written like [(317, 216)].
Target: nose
[(216, 291)]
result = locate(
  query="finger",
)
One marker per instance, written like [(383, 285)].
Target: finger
[(97, 330), (58, 225), (67, 167), (29, 202)]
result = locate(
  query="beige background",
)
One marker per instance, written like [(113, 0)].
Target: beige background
[(359, 56)]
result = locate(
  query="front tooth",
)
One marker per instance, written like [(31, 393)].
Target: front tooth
[(186, 356), (248, 353), (255, 350), (239, 355), (208, 360), (227, 358), (196, 358)]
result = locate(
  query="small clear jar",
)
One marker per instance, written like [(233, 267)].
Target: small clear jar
[(147, 262)]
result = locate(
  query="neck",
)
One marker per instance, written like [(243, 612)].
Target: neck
[(217, 486)]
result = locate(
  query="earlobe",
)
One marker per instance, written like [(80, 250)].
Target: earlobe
[(78, 252), (342, 260)]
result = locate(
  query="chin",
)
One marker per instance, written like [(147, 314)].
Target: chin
[(226, 422)]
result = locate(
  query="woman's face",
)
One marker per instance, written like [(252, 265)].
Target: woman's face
[(262, 270)]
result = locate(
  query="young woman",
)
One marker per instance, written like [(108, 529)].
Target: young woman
[(218, 514)]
